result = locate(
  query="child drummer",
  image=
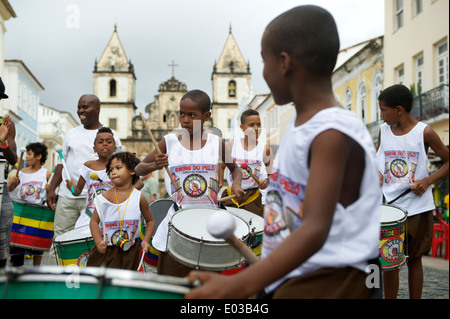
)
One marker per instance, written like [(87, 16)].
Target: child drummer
[(192, 158), (257, 158), (115, 222)]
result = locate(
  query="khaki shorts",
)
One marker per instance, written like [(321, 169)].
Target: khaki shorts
[(419, 229)]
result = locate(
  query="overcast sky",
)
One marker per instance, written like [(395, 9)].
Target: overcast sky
[(59, 40)]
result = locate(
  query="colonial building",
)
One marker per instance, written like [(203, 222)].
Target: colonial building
[(231, 78), (114, 84)]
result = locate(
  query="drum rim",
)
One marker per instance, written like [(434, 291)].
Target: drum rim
[(117, 277), (257, 217), (25, 203), (397, 221), (220, 240)]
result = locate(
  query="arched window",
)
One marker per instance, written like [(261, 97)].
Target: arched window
[(377, 86), (361, 101), (112, 88), (348, 99), (232, 88)]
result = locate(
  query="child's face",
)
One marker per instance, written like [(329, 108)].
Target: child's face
[(252, 126), (31, 158), (388, 114), (104, 144), (119, 174), (191, 117)]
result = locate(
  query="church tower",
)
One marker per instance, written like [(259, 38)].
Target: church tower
[(231, 78), (114, 84)]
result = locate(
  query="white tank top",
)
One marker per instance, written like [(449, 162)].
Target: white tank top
[(130, 214), (354, 234), (32, 186), (403, 160), (254, 159), (196, 175)]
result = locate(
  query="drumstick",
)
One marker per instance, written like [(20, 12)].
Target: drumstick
[(244, 165), (101, 212), (222, 225), (22, 151), (226, 198), (142, 259), (157, 149), (65, 169), (95, 177), (49, 181)]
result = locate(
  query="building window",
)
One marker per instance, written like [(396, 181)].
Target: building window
[(112, 123), (348, 99), (362, 101), (377, 86), (418, 7), (232, 88), (419, 73), (442, 63), (112, 88), (398, 14), (400, 72)]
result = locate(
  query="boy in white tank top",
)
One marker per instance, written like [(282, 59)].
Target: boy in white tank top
[(32, 181), (256, 156), (192, 158), (323, 177), (402, 155)]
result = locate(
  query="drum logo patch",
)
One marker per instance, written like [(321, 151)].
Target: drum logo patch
[(194, 185)]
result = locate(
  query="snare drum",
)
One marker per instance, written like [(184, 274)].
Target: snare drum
[(32, 226), (74, 246), (392, 237), (190, 243), (54, 282)]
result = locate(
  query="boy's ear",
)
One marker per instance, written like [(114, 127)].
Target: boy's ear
[(206, 116), (285, 62)]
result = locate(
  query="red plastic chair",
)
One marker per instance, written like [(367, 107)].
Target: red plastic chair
[(445, 227), (438, 239)]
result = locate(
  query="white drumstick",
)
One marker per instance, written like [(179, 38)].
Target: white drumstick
[(22, 151), (142, 259), (221, 224), (49, 181), (65, 169)]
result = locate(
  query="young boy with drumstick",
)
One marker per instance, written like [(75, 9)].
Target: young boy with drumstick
[(256, 158), (192, 158), (326, 160), (115, 222), (402, 154), (93, 174)]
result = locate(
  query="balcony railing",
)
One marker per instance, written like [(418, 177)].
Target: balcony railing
[(426, 106)]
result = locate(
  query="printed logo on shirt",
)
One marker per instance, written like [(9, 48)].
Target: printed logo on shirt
[(194, 185), (273, 214), (396, 166)]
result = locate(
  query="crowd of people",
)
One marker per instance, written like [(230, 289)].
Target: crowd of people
[(320, 196)]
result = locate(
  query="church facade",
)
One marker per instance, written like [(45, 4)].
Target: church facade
[(115, 85)]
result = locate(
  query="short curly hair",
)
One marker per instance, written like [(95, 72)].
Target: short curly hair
[(38, 149), (129, 159)]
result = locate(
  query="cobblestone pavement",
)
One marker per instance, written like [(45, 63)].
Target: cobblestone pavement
[(435, 281)]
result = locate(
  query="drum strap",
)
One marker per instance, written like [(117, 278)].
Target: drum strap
[(250, 199)]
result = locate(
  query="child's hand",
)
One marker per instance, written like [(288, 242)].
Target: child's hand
[(263, 183), (161, 160), (101, 246), (13, 183), (145, 246), (47, 187), (237, 190), (70, 183)]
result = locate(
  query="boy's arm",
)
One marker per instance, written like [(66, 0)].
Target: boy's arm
[(153, 161), (222, 166), (329, 154), (432, 140), (149, 220), (236, 172), (56, 180)]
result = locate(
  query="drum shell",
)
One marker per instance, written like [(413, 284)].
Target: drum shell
[(392, 238), (32, 226), (203, 254), (73, 247), (55, 282)]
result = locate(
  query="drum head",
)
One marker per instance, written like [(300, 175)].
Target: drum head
[(391, 214), (253, 220), (159, 209), (193, 223), (79, 233)]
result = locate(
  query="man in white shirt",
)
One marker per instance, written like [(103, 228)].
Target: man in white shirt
[(77, 149)]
